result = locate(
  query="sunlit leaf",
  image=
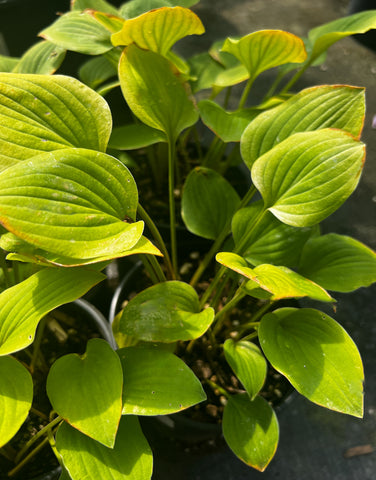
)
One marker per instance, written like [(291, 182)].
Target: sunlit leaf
[(334, 106), (76, 203), (159, 29), (43, 58), (317, 356), (38, 295), (74, 381), (16, 397), (42, 113), (309, 175), (154, 93)]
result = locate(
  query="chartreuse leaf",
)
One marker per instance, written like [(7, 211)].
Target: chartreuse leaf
[(135, 135), (83, 457), (73, 382), (265, 49), (7, 64), (248, 364), (42, 58), (322, 37), (41, 113), (156, 382), (309, 175), (100, 5), (165, 312), (228, 126), (271, 241), (251, 430), (96, 71), (79, 32), (280, 281), (23, 305), (74, 203), (25, 252), (208, 202), (154, 93), (113, 23), (316, 355), (159, 29), (338, 263), (334, 106), (16, 397)]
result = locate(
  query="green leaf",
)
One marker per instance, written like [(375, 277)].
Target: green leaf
[(165, 312), (76, 203), (42, 113), (265, 49), (338, 263), (79, 32), (203, 71), (271, 241), (154, 93), (96, 71), (134, 136), (22, 306), (248, 364), (74, 381), (232, 76), (134, 8), (16, 397), (7, 64), (317, 356), (334, 106), (309, 175), (157, 382), (130, 459), (280, 281), (228, 126), (208, 202), (251, 430), (113, 23), (159, 29), (42, 58), (322, 37), (100, 5)]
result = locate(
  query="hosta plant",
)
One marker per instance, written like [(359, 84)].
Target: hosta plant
[(70, 205)]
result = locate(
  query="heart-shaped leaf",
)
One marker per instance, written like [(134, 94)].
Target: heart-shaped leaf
[(76, 203), (154, 93), (272, 241), (130, 458), (135, 135), (251, 430), (156, 382), (228, 126), (79, 32), (42, 58), (22, 306), (208, 202), (317, 356), (309, 175), (338, 263), (42, 113), (265, 49), (322, 37), (159, 29), (248, 364), (165, 312), (73, 382), (334, 106), (16, 397)]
